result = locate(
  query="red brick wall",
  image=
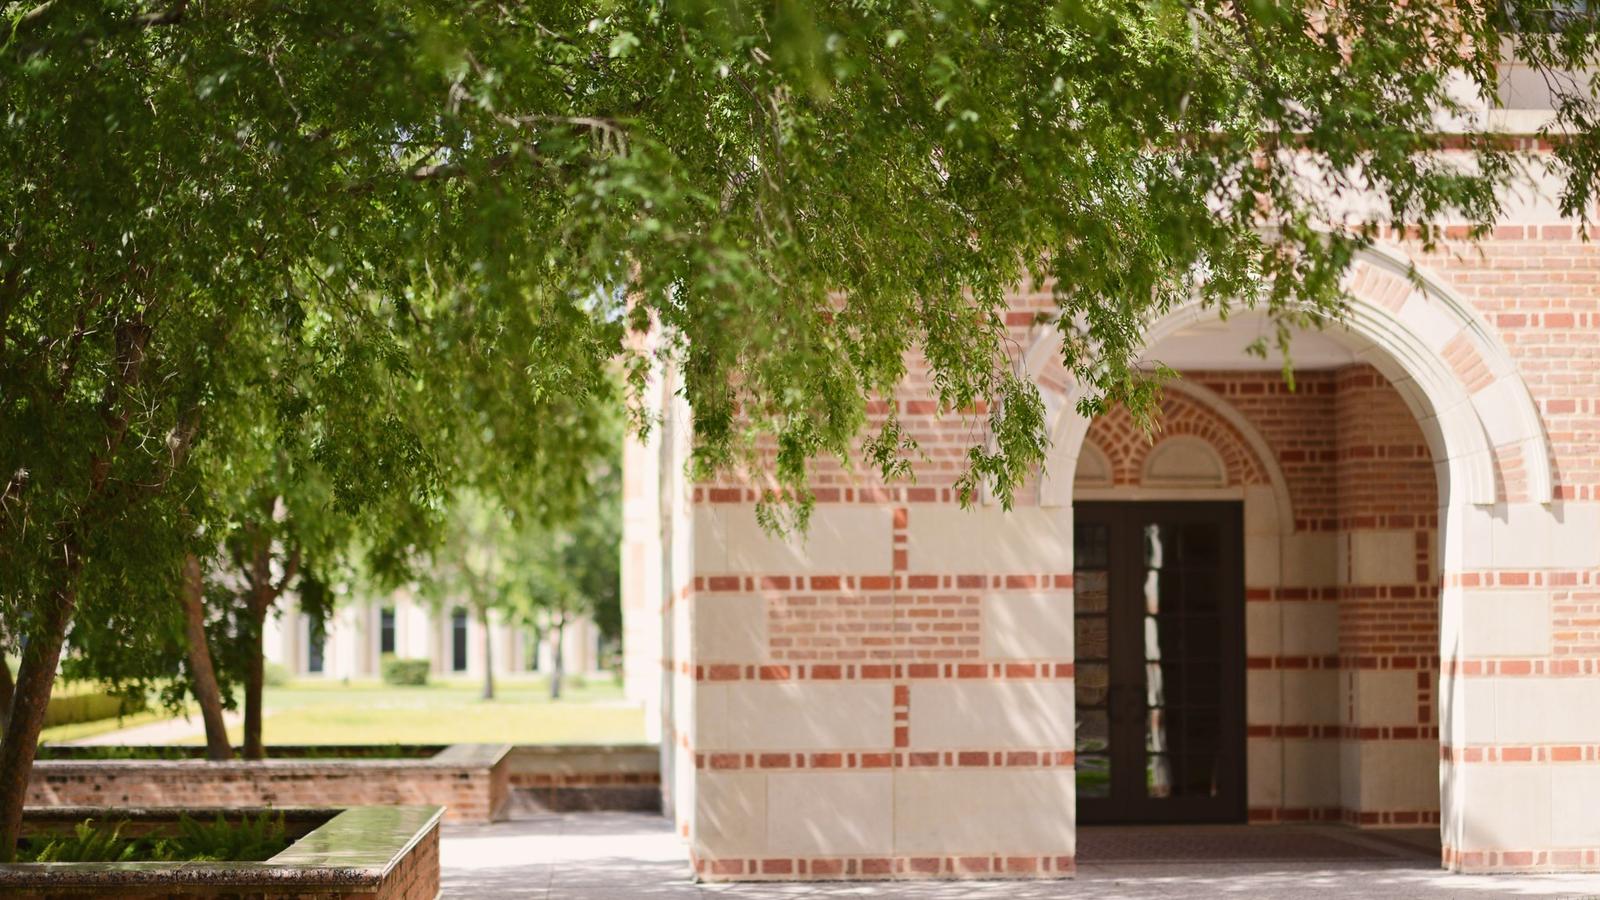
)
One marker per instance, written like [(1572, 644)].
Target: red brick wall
[(1538, 287), (416, 877), (469, 794), (1386, 481)]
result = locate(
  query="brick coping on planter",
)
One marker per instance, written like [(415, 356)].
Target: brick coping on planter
[(450, 756), (355, 849), (469, 780), (182, 752), (474, 782)]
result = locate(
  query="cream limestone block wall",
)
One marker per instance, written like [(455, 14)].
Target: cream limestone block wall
[(987, 539), (1310, 559), (1371, 557), (1028, 625), (795, 716), (1522, 722), (1291, 698), (831, 814), (839, 539), (1006, 715), (1028, 812), (857, 756)]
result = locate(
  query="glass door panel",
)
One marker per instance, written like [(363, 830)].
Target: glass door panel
[(1160, 661), (1092, 639)]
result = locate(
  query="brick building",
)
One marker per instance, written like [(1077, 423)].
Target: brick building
[(1372, 599)]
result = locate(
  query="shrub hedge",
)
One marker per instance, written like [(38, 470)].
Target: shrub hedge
[(404, 672)]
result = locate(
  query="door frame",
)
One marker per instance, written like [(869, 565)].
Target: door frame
[(1125, 566)]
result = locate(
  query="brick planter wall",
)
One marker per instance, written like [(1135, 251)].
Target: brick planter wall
[(366, 853), (560, 778), (469, 780)]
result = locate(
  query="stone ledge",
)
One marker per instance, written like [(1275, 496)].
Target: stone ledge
[(357, 848)]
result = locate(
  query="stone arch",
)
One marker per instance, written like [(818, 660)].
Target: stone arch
[(1457, 378)]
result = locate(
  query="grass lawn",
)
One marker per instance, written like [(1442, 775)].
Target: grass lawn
[(369, 712)]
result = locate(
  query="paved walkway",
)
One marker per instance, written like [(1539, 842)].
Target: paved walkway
[(165, 731), (600, 856)]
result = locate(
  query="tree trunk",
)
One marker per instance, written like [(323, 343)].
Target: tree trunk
[(488, 653), (203, 676), (35, 678), (7, 689), (555, 658), (254, 677)]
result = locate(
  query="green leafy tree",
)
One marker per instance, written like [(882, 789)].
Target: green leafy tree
[(468, 568), (573, 571), (797, 195)]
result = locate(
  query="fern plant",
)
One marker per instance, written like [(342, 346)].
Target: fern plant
[(251, 838), (88, 844)]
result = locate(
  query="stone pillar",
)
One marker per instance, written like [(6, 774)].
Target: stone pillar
[(1521, 754)]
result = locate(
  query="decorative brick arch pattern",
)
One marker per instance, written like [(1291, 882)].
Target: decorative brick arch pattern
[(1128, 447), (1449, 366)]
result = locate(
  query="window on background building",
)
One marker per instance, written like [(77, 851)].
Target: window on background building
[(386, 630), (458, 640), (316, 638), (534, 638)]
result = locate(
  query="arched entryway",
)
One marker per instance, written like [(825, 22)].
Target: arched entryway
[(1355, 495), (1270, 572)]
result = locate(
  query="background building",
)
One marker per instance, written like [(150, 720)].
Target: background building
[(451, 638)]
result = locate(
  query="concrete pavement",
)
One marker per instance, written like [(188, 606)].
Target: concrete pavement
[(601, 856)]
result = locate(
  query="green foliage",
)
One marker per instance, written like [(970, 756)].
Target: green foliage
[(275, 674), (288, 277), (88, 843), (250, 838), (115, 751), (256, 837), (405, 672), (573, 569)]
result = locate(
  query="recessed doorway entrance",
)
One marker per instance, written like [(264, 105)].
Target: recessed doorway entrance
[(1159, 614)]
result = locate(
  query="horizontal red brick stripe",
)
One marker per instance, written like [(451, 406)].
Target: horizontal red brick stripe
[(899, 581), (1519, 753), (885, 868), (1550, 667), (884, 759), (883, 672)]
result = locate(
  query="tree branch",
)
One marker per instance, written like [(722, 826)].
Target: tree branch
[(171, 16), (290, 569), (37, 16)]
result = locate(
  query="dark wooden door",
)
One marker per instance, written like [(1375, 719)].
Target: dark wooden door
[(1160, 662)]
